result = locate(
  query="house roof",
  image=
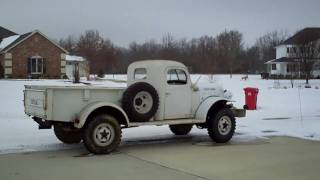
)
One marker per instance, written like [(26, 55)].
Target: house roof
[(25, 36), (8, 40), (304, 36), (281, 60), (5, 33), (18, 39)]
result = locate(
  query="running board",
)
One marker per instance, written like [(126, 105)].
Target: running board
[(166, 122)]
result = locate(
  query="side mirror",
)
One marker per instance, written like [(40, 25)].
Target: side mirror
[(194, 87)]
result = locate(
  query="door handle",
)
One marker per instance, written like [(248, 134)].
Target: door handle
[(167, 93)]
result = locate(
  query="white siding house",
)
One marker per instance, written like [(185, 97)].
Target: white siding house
[(281, 51), (285, 63)]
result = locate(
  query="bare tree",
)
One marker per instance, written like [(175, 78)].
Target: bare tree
[(70, 43), (169, 47), (230, 45), (249, 60), (223, 53), (266, 45), (89, 45), (1, 71), (100, 52), (306, 51)]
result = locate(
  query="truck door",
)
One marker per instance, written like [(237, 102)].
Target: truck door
[(177, 94)]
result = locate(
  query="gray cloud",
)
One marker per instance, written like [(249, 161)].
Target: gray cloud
[(124, 21)]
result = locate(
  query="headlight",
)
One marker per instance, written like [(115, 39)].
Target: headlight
[(227, 94)]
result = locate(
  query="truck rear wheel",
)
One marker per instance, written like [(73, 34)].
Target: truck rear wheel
[(140, 101), (181, 129), (102, 135), (67, 135), (221, 127)]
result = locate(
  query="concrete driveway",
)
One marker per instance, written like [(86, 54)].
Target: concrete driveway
[(184, 158)]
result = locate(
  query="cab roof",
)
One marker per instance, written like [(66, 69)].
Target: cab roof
[(159, 64)]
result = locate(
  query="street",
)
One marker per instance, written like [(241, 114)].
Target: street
[(181, 158)]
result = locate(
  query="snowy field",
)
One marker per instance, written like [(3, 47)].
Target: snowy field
[(282, 111)]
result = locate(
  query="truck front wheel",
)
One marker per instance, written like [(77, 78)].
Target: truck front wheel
[(67, 135), (102, 135), (181, 129), (221, 126)]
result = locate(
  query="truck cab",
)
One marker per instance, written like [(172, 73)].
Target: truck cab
[(173, 84)]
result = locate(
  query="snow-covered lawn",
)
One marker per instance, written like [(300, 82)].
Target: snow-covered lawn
[(283, 111)]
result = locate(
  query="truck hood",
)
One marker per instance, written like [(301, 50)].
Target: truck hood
[(213, 89)]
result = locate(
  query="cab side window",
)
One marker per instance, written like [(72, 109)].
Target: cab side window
[(176, 77), (140, 73)]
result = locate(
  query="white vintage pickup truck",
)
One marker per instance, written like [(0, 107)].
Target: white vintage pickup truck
[(159, 92)]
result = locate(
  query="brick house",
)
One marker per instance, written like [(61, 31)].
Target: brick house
[(30, 55)]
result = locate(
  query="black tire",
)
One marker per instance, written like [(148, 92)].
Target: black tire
[(135, 106), (181, 129), (227, 127), (102, 135), (67, 135)]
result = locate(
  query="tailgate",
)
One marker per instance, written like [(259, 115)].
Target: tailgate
[(35, 102)]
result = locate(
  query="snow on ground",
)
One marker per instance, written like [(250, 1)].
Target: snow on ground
[(279, 113)]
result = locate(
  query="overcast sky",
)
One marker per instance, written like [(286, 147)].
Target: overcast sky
[(124, 21)]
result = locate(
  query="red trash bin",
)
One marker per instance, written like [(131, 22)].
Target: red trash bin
[(251, 98)]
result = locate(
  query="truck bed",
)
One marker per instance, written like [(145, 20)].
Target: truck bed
[(63, 103)]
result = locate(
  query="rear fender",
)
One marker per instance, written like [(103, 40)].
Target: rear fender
[(86, 111)]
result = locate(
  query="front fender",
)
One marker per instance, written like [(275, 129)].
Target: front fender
[(205, 105), (86, 111)]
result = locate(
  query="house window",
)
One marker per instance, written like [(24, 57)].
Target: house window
[(176, 77), (288, 50), (273, 66), (36, 65)]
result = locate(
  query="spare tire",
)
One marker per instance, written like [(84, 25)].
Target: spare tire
[(140, 101)]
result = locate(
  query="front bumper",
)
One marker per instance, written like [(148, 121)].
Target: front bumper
[(238, 112)]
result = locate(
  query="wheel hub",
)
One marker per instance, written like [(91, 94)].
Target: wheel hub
[(104, 134), (224, 125), (138, 102), (143, 102)]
